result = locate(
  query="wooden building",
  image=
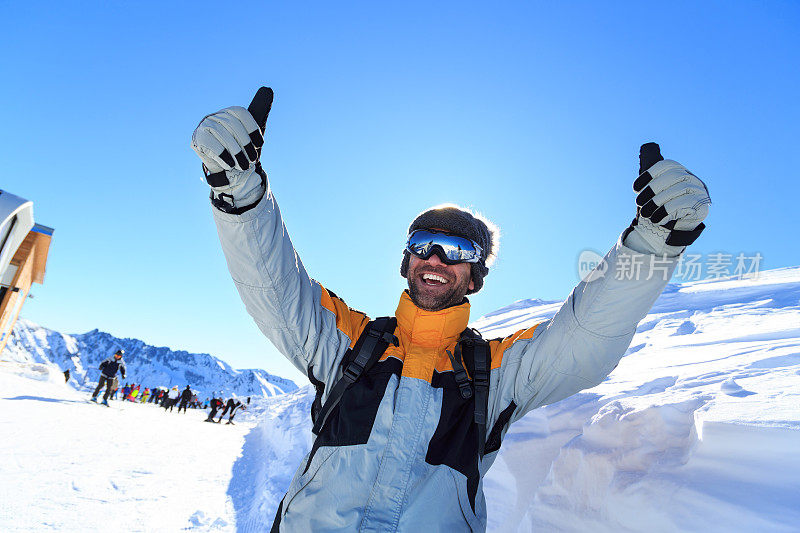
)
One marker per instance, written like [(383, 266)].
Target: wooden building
[(24, 246)]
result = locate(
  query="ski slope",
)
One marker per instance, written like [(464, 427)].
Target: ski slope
[(698, 429), (69, 465)]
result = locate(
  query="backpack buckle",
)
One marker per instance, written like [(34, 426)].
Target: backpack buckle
[(352, 372)]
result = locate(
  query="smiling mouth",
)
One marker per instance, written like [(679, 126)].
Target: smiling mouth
[(433, 280)]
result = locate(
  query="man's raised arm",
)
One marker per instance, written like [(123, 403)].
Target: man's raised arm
[(585, 340), (297, 314)]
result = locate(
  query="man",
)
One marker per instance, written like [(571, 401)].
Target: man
[(186, 395), (230, 406), (404, 449), (108, 369), (216, 403), (171, 399)]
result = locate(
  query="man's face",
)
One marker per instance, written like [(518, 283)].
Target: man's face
[(434, 285)]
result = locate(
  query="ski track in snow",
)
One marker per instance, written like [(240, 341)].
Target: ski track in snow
[(696, 430)]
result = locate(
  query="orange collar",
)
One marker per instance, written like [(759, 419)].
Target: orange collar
[(430, 329)]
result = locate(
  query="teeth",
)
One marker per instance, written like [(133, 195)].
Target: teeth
[(434, 277)]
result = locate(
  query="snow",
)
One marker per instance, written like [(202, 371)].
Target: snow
[(696, 430), (69, 465)]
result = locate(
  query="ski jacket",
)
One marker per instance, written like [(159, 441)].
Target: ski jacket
[(110, 366), (399, 452), (173, 394), (186, 395)]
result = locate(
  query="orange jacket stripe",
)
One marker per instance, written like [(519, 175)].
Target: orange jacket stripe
[(348, 321)]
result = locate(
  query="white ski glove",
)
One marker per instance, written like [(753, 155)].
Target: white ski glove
[(229, 144), (671, 206)]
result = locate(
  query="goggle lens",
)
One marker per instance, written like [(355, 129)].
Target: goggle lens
[(451, 249)]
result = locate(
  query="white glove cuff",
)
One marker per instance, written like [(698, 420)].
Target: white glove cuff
[(649, 238), (246, 189)]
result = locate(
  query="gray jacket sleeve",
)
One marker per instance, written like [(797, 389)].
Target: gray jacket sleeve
[(584, 341), (305, 322)]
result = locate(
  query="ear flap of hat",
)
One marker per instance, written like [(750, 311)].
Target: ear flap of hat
[(404, 264), (478, 273)]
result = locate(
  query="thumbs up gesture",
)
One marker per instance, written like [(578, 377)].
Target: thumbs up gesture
[(671, 205), (229, 144)]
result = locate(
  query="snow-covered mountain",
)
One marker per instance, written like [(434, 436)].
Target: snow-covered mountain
[(150, 366)]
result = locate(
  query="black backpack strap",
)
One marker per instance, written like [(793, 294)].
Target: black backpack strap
[(376, 337), (459, 373), (476, 349)]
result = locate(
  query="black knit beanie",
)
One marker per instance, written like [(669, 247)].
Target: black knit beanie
[(464, 223)]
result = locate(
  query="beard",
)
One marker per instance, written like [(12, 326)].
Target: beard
[(430, 299)]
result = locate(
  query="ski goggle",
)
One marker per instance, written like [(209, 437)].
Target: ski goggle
[(451, 249)]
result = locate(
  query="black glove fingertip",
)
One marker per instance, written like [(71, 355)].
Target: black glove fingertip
[(242, 160), (658, 215), (227, 158), (645, 196), (649, 155), (261, 106)]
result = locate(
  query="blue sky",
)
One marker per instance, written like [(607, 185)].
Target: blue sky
[(530, 112)]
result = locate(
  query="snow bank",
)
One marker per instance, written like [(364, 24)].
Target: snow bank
[(270, 456), (696, 430)]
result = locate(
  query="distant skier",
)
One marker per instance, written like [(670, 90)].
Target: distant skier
[(186, 395), (171, 398), (66, 376), (108, 369), (237, 405), (230, 407), (216, 403)]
